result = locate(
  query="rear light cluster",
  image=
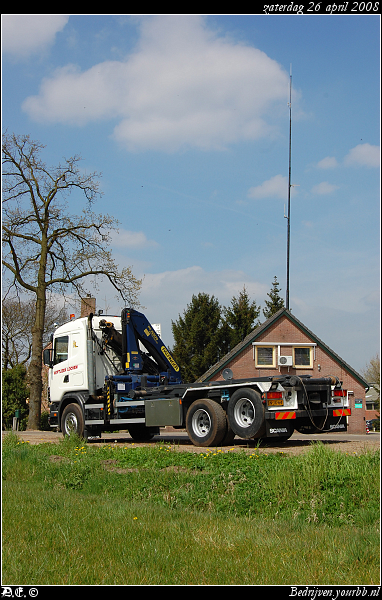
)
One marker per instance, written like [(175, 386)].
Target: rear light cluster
[(276, 398), (338, 394)]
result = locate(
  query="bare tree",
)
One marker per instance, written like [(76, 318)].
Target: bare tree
[(46, 248), (372, 374), (16, 327)]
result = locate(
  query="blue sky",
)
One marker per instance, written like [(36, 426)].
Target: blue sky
[(187, 119)]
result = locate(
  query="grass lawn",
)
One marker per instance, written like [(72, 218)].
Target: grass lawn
[(75, 514)]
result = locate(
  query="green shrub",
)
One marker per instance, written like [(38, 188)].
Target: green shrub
[(44, 422), (14, 396)]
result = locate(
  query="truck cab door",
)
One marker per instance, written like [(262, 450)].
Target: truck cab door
[(68, 365), (59, 374), (76, 360)]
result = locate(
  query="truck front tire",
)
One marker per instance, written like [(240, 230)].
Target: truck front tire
[(206, 423), (246, 414), (72, 421)]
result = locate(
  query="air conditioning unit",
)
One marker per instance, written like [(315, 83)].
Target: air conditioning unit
[(285, 361)]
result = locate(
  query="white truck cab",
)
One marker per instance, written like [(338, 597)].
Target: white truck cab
[(70, 358)]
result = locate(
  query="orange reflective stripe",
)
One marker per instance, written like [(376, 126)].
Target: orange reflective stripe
[(285, 415), (341, 412)]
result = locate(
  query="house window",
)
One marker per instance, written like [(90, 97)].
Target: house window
[(303, 357), (61, 349), (265, 356)]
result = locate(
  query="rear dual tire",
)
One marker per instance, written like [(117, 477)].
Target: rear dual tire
[(246, 414), (207, 425)]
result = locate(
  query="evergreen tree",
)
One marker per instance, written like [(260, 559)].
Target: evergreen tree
[(241, 317), (199, 337), (275, 302)]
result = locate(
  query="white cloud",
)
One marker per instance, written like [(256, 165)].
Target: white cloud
[(131, 239), (329, 162), (324, 188), (276, 187), (182, 86), (364, 155), (23, 35), (165, 295)]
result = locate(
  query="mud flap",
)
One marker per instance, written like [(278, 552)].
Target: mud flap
[(279, 428), (336, 424), (322, 425)]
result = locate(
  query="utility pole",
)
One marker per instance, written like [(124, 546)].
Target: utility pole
[(289, 186)]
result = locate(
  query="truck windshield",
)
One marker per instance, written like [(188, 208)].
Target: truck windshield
[(61, 349)]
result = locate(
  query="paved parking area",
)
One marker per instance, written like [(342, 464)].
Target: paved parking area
[(297, 443)]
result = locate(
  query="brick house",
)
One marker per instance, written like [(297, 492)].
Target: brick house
[(283, 335)]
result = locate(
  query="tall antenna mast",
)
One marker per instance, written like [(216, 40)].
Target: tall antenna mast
[(289, 185)]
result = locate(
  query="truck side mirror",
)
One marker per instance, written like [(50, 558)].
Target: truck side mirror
[(47, 357)]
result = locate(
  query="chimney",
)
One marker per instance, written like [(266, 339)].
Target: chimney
[(88, 305)]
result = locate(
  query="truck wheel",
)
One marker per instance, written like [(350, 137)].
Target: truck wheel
[(206, 423), (229, 434), (246, 413), (140, 433), (72, 421)]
